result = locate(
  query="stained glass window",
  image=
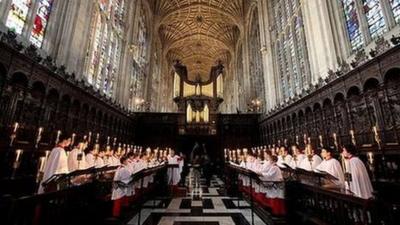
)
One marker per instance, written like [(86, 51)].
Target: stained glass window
[(104, 52), (373, 12), (291, 53), (40, 22), (352, 24), (395, 4), (17, 15)]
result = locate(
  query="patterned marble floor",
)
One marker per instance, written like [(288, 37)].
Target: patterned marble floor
[(202, 206)]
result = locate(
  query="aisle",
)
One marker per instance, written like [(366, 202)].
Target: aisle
[(202, 206)]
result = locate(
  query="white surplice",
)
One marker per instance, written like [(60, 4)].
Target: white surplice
[(332, 167), (57, 163), (122, 175), (273, 174), (174, 175), (305, 164), (360, 183), (297, 160), (90, 160), (73, 163), (284, 160)]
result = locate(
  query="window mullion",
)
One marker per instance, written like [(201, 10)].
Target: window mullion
[(363, 22), (388, 14), (26, 33)]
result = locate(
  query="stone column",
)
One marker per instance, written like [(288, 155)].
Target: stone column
[(266, 51), (320, 41)]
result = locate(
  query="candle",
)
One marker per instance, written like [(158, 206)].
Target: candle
[(108, 140), (309, 140), (47, 153), (39, 136), (370, 156), (42, 161), (305, 139), (321, 141), (90, 137), (375, 130), (297, 139), (40, 131), (353, 137), (335, 142), (18, 153), (97, 137), (58, 136), (73, 139), (16, 125)]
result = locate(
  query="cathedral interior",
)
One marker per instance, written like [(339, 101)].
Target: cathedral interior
[(197, 112)]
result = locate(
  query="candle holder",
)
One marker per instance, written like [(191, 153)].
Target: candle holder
[(41, 166), (377, 137)]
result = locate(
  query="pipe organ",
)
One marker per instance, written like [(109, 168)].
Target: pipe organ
[(198, 100)]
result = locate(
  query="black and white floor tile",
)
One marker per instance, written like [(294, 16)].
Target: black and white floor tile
[(202, 206)]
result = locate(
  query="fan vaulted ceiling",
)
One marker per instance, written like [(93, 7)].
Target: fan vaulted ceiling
[(199, 32)]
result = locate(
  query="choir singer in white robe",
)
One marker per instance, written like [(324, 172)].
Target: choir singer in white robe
[(284, 158), (298, 156), (57, 163), (76, 158), (311, 161), (357, 179), (121, 189), (274, 192), (331, 166), (174, 175)]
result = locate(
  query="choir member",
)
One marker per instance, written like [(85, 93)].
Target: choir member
[(114, 159), (298, 156), (174, 175), (91, 156), (99, 161), (76, 158), (274, 197), (311, 161), (357, 178), (57, 163), (284, 157), (331, 166), (121, 189)]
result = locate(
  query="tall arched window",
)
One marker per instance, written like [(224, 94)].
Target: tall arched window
[(18, 21), (367, 20), (256, 68), (374, 15), (17, 16), (140, 57), (395, 5), (104, 51), (352, 24), (291, 47)]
